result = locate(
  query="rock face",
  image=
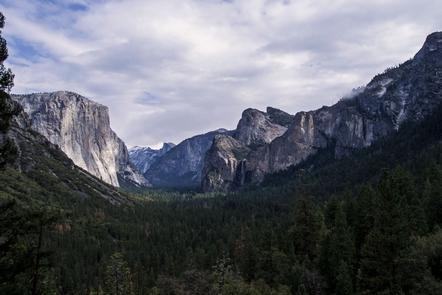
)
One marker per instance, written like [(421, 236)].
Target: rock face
[(143, 157), (81, 128), (36, 158), (257, 128), (226, 161), (182, 165), (224, 164), (407, 92)]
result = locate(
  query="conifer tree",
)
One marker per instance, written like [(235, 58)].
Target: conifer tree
[(8, 108), (6, 75), (337, 249), (307, 229), (118, 276), (386, 251)]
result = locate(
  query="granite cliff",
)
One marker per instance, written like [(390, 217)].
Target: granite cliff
[(182, 165), (81, 128), (34, 166)]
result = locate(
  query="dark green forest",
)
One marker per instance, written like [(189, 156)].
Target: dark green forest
[(368, 223), (365, 224)]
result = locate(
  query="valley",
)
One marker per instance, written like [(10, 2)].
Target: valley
[(345, 199)]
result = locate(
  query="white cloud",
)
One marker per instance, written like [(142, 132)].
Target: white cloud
[(171, 69)]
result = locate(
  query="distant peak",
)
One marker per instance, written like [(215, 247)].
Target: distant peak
[(434, 37), (251, 111), (279, 116), (433, 43), (168, 144), (272, 110)]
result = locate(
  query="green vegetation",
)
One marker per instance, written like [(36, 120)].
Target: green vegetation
[(379, 234)]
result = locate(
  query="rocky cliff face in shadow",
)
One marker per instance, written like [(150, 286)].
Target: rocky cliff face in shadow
[(407, 92), (226, 161), (81, 128), (224, 164), (182, 165), (144, 157)]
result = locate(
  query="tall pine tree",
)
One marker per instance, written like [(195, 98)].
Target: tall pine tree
[(385, 255)]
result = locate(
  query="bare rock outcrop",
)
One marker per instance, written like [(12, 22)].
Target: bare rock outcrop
[(81, 128)]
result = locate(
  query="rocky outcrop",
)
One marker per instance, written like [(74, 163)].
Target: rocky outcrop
[(81, 128), (182, 165), (257, 128), (144, 157), (224, 164), (407, 92), (51, 172)]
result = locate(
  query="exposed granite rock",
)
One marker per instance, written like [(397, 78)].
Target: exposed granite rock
[(143, 157), (408, 92), (279, 117), (224, 164), (35, 157), (257, 128), (81, 128), (182, 165)]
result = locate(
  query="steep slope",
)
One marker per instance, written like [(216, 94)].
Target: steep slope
[(143, 157), (228, 156), (35, 170), (226, 159), (182, 165), (256, 128), (416, 146), (406, 93), (81, 128)]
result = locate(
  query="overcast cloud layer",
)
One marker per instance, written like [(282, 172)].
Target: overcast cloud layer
[(171, 69)]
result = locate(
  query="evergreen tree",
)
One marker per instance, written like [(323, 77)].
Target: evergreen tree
[(24, 261), (6, 75), (8, 108), (307, 230), (118, 279), (385, 253), (337, 249), (222, 273)]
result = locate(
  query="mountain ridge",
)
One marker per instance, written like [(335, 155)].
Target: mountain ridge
[(407, 92), (144, 157)]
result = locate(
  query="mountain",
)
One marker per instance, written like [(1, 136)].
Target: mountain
[(32, 169), (182, 165), (81, 128), (228, 153), (258, 128), (409, 92), (143, 157)]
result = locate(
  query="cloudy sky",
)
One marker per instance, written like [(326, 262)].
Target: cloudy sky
[(170, 69)]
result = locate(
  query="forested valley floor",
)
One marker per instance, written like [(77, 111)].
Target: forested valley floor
[(369, 223)]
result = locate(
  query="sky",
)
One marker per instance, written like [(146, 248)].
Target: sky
[(171, 69)]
